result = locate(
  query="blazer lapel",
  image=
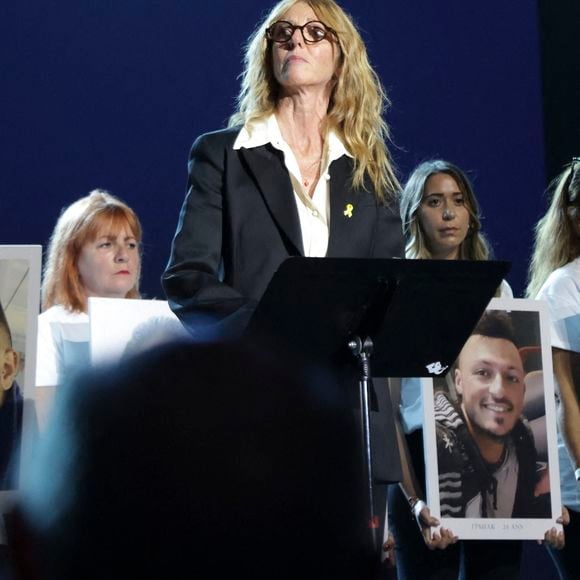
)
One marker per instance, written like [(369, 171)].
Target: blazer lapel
[(271, 176), (342, 198)]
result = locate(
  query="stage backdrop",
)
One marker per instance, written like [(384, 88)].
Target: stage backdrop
[(111, 93)]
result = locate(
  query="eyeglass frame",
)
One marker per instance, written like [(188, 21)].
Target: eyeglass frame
[(329, 32), (574, 205)]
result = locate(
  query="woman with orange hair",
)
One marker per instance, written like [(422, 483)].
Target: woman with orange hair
[(94, 251)]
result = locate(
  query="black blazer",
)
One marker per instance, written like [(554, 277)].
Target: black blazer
[(239, 222)]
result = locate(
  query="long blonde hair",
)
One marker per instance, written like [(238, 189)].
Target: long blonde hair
[(474, 247), (555, 243), (357, 101), (78, 224)]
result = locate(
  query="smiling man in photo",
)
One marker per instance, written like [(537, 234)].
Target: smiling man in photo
[(486, 452)]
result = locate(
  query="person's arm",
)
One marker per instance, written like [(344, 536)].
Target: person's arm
[(568, 411), (411, 488), (412, 491), (553, 537), (192, 279), (48, 354), (409, 485)]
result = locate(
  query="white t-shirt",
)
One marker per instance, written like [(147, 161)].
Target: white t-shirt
[(63, 345), (506, 476), (562, 293)]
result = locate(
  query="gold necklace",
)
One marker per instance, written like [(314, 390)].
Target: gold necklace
[(317, 163)]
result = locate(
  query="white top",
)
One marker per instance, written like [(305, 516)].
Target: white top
[(63, 345), (562, 293), (506, 476), (313, 213), (411, 407)]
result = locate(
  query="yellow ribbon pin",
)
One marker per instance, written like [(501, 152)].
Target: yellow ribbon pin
[(348, 211)]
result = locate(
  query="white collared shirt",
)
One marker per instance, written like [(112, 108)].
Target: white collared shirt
[(313, 213)]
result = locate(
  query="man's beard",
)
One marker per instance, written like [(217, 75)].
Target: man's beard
[(494, 436)]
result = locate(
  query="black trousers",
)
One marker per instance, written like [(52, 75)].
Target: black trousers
[(567, 560)]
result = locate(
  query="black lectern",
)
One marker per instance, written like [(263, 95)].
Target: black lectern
[(409, 317)]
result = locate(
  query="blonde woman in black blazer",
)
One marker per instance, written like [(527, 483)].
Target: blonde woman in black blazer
[(303, 169)]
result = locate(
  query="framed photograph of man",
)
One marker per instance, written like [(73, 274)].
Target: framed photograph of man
[(490, 429), (19, 304)]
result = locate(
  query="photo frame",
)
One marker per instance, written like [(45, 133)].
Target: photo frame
[(120, 327), (20, 299), (490, 429)]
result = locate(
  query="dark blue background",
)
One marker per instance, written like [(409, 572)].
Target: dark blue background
[(111, 93)]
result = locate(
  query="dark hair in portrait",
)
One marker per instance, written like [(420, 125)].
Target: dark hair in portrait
[(495, 324)]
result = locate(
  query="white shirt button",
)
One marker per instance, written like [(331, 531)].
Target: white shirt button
[(315, 213)]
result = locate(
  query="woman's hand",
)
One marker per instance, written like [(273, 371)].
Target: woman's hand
[(389, 550), (553, 537), (433, 540)]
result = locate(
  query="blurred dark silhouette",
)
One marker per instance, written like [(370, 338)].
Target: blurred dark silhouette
[(197, 461)]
